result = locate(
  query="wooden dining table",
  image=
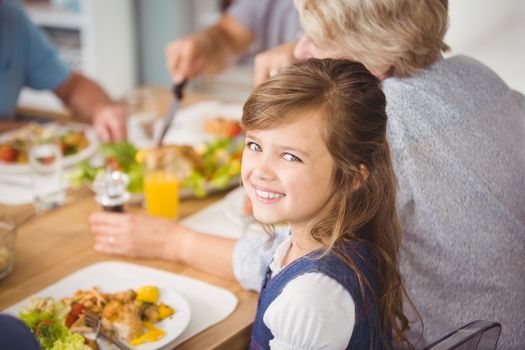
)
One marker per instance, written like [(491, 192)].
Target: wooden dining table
[(54, 244)]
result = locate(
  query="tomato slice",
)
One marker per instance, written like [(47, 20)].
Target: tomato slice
[(76, 310)]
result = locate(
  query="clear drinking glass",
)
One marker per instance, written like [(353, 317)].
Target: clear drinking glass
[(7, 246), (45, 159), (143, 110)]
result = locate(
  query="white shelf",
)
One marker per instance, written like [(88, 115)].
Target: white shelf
[(100, 44), (47, 15)]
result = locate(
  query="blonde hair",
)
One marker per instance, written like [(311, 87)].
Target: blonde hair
[(395, 37), (351, 106)]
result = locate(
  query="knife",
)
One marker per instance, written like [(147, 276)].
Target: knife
[(168, 119)]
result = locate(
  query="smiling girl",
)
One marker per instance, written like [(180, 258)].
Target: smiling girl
[(316, 157)]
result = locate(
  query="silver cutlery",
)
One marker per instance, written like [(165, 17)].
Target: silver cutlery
[(94, 322), (168, 119)]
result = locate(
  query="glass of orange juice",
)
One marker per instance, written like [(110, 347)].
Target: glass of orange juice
[(161, 183)]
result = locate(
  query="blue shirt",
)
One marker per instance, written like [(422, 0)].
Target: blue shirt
[(27, 58)]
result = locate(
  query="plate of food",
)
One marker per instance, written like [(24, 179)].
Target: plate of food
[(207, 136), (135, 307), (204, 122), (210, 167), (77, 142)]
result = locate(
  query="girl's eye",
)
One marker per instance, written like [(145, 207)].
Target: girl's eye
[(291, 158), (252, 146)]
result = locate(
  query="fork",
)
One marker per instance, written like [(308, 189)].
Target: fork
[(94, 322)]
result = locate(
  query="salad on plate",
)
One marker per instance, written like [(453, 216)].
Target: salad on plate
[(212, 166), (14, 146), (130, 315)]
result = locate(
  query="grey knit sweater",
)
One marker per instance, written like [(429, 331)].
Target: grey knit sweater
[(457, 134)]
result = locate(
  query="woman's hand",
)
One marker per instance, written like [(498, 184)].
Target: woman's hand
[(188, 56), (143, 236), (269, 62), (136, 235)]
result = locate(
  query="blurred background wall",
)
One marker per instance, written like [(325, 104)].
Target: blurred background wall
[(493, 32), (121, 43)]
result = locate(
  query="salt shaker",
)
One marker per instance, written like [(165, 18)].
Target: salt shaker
[(111, 189)]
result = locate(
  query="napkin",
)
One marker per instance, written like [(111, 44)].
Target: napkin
[(15, 189), (209, 305), (224, 218)]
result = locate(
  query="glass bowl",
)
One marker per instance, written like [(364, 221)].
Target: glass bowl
[(7, 246)]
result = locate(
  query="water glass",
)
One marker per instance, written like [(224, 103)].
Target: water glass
[(143, 110), (7, 246), (45, 159)]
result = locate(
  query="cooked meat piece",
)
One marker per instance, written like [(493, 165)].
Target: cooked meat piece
[(128, 323), (151, 313), (91, 343), (126, 297), (111, 310), (222, 127)]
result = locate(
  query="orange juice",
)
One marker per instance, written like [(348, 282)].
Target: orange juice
[(161, 191)]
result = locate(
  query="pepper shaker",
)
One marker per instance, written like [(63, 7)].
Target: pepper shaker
[(111, 189)]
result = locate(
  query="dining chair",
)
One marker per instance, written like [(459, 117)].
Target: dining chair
[(477, 335)]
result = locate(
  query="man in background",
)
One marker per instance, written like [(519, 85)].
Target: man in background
[(28, 59), (247, 27)]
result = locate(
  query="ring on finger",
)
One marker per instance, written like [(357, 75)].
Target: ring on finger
[(110, 239), (273, 72)]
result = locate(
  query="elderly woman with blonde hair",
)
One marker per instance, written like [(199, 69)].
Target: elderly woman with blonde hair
[(457, 133)]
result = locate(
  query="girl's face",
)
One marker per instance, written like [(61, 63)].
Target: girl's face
[(286, 172)]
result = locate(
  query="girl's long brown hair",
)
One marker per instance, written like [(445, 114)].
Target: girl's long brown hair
[(351, 104)]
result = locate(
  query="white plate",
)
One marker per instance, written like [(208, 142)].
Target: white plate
[(115, 276), (184, 193), (188, 123), (87, 152)]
